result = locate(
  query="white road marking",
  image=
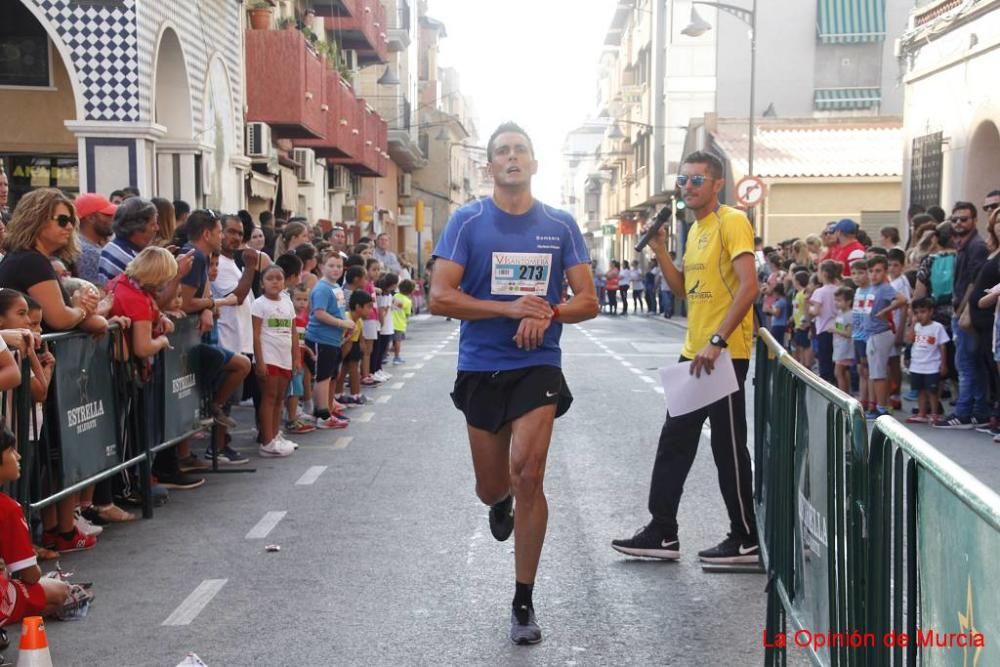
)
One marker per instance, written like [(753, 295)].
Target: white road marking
[(637, 371), (188, 610), (408, 376), (417, 367), (396, 385), (265, 525), (646, 378), (658, 390), (343, 441), (428, 357), (476, 536), (310, 476), (384, 398), (363, 417), (626, 364)]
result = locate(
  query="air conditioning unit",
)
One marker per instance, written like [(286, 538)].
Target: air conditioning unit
[(351, 58), (258, 140), (349, 213), (406, 186), (306, 157)]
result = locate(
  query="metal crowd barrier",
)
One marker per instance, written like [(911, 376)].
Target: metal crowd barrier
[(879, 553), (102, 416)]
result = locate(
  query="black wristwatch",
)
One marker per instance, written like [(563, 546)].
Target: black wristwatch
[(718, 341)]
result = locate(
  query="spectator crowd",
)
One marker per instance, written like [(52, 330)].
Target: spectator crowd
[(294, 320), (907, 317)]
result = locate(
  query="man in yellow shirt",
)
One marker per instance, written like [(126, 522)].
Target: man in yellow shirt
[(719, 281)]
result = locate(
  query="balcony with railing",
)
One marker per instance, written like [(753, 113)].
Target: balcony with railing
[(360, 25), (285, 84), (367, 143), (338, 139), (398, 32)]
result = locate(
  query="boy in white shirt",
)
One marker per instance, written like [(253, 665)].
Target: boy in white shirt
[(928, 360)]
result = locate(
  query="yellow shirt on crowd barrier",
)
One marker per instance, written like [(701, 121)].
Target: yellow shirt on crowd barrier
[(710, 280)]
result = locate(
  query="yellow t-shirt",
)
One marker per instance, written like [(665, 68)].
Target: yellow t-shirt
[(711, 281)]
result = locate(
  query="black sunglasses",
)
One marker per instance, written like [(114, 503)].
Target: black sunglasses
[(990, 207), (65, 220), (959, 218)]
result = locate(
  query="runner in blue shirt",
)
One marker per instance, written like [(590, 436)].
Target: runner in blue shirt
[(499, 268)]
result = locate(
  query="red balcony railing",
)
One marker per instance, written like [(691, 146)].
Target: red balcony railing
[(368, 144), (285, 84), (337, 139), (363, 29)]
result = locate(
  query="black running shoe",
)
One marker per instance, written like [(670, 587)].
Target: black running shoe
[(502, 519), (732, 551), (523, 626), (649, 542)]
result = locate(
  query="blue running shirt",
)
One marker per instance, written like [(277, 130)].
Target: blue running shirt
[(328, 297), (479, 233)]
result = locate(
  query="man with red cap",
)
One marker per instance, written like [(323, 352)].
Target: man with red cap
[(848, 248), (94, 212)]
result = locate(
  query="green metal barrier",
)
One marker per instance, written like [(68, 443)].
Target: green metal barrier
[(810, 490), (935, 544)]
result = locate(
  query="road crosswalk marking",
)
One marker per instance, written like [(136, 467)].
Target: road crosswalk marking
[(310, 476), (193, 604), (265, 525)]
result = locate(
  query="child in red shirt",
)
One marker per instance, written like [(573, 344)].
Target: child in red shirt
[(23, 591)]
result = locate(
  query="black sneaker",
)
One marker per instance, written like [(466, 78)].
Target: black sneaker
[(955, 422), (523, 626), (502, 519), (227, 455), (178, 480), (732, 550), (649, 542)]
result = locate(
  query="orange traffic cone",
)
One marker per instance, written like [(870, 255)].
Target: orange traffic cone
[(34, 651)]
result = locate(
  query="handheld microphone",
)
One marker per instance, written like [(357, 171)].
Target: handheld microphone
[(662, 218)]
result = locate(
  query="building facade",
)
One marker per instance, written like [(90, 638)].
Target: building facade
[(951, 141)]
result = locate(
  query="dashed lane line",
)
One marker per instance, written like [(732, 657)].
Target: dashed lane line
[(396, 385), (193, 604), (407, 376), (384, 399), (342, 442), (363, 417), (265, 525), (310, 476)]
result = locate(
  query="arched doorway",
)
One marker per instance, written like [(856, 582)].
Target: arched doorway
[(39, 93), (175, 152), (982, 173)]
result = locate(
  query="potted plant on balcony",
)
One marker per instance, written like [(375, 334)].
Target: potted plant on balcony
[(260, 14)]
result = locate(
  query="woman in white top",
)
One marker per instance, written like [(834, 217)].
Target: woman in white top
[(624, 282), (638, 286)]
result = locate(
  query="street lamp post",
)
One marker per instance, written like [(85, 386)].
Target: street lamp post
[(700, 26)]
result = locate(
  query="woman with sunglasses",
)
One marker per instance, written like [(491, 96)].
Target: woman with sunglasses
[(44, 227)]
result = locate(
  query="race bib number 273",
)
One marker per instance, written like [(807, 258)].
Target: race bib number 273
[(521, 273)]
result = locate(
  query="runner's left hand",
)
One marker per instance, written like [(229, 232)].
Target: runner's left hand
[(705, 360), (531, 332)]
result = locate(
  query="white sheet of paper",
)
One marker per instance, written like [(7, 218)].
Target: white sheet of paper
[(686, 393)]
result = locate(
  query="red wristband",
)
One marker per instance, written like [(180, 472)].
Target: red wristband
[(555, 313)]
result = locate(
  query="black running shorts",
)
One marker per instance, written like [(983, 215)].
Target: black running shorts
[(491, 400)]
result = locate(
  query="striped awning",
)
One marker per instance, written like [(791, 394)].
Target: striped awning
[(839, 99), (850, 21)]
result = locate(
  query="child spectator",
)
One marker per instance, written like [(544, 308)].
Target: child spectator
[(360, 305), (324, 336), (780, 313), (59, 520), (402, 307), (369, 334), (387, 290), (897, 258), (276, 347), (824, 311), (297, 421), (26, 592), (801, 322), (861, 311), (879, 329), (928, 361), (843, 343)]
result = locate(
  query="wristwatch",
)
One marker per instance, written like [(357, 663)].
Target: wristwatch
[(718, 341)]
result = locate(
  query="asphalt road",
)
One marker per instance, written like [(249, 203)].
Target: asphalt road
[(386, 556)]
